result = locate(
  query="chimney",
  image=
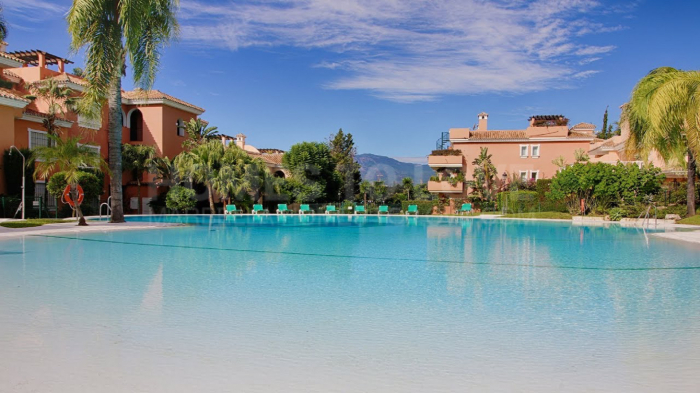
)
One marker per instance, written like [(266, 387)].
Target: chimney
[(61, 66), (240, 141), (3, 46), (483, 121)]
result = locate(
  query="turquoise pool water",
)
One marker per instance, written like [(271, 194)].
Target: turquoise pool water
[(350, 304)]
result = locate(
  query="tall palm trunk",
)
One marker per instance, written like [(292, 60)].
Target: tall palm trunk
[(691, 183), (211, 198), (115, 149), (138, 193)]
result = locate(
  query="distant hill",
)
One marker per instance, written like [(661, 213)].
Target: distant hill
[(374, 167)]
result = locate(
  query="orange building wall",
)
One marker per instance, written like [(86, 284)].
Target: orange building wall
[(7, 136)]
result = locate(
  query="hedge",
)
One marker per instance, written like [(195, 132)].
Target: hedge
[(425, 208), (518, 201)]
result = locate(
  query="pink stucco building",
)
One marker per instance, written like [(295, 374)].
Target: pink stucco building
[(152, 117), (527, 153)]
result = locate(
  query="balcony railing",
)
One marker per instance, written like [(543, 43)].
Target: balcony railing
[(446, 161), (445, 187)]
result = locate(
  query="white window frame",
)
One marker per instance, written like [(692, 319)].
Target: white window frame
[(532, 151), (527, 151), (523, 176), (536, 173), (29, 135), (98, 147)]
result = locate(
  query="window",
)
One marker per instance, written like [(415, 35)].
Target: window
[(523, 175), (94, 148), (180, 127), (535, 151), (136, 126), (38, 138), (534, 175), (523, 151)]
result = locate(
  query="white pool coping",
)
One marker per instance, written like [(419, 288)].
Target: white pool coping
[(676, 232)]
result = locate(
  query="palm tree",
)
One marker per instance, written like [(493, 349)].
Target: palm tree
[(3, 25), (202, 164), (664, 116), (366, 188), (231, 179), (261, 180), (407, 185), (69, 156), (58, 99), (580, 156), (198, 132), (560, 162), (139, 159), (484, 172), (113, 32)]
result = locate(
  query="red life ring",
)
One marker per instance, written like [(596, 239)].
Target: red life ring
[(69, 200)]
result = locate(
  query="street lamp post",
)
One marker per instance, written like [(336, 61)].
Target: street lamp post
[(24, 166)]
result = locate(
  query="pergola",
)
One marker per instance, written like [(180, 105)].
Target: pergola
[(41, 58)]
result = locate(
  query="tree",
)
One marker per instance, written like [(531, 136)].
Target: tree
[(69, 156), (77, 71), (59, 100), (560, 162), (231, 179), (407, 186), (603, 134), (379, 190), (312, 162), (139, 159), (3, 25), (113, 32), (664, 116), (366, 188), (261, 181), (202, 164), (484, 173), (343, 152), (199, 132)]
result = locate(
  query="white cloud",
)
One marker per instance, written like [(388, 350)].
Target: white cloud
[(414, 50), (29, 9)]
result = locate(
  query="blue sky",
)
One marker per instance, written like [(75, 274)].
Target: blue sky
[(397, 73)]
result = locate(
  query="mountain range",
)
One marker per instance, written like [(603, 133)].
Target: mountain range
[(374, 167)]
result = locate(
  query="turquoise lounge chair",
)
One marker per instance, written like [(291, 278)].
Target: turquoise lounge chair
[(231, 209), (383, 209), (360, 209), (330, 209), (304, 209), (282, 208), (466, 208), (257, 209), (412, 209)]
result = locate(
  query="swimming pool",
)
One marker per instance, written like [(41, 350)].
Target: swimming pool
[(350, 304)]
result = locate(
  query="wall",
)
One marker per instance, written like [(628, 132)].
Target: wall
[(7, 137)]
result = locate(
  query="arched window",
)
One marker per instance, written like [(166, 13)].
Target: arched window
[(180, 127), (279, 174), (136, 126)]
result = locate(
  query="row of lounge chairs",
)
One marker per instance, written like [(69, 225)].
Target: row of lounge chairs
[(306, 209)]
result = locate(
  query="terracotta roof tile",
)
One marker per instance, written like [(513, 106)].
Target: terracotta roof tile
[(583, 126), (139, 94), (7, 93), (9, 56), (12, 75)]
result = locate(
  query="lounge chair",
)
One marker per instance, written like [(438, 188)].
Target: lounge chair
[(257, 209), (304, 209), (330, 209), (412, 209), (360, 209), (466, 208), (231, 209), (282, 208), (383, 209)]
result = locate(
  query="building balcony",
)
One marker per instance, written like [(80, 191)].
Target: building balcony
[(444, 187), (446, 161), (459, 133)]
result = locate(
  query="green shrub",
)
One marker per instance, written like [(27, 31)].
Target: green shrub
[(518, 201), (92, 184), (180, 199), (425, 208), (616, 214), (681, 210)]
